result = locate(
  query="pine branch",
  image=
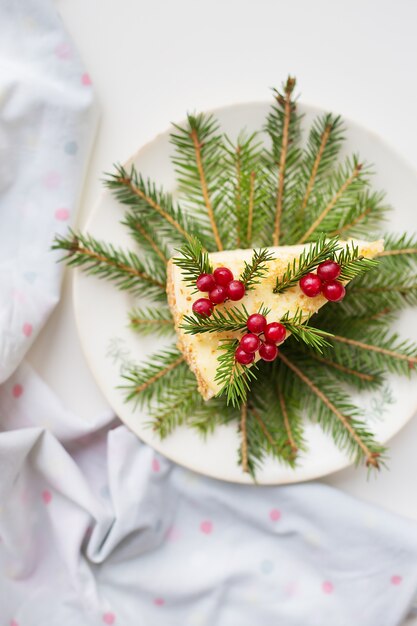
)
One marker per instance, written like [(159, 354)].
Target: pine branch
[(105, 261), (148, 321), (256, 270), (311, 336), (352, 263), (348, 181), (233, 319), (232, 377), (146, 383), (193, 261), (146, 237), (151, 206), (363, 218), (199, 162), (308, 260), (243, 432), (360, 379), (400, 251), (283, 128), (381, 291), (337, 416), (324, 142)]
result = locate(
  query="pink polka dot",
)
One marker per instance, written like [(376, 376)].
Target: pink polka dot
[(396, 580), (290, 588), (156, 466), (14, 623), (27, 329), (172, 534), (109, 618), (86, 80), (52, 180), (62, 214), (159, 601), (17, 390), (327, 587), (63, 51), (206, 527), (46, 496), (274, 515)]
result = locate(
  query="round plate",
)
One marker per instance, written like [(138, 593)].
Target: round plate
[(110, 346)]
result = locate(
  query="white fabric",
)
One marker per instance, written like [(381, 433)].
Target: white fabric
[(96, 528), (47, 124)]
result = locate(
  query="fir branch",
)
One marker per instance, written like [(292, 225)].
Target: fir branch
[(254, 271), (147, 321), (324, 142), (383, 291), (339, 417), (146, 383), (287, 423), (233, 319), (352, 263), (308, 260), (363, 217), (146, 237), (243, 432), (193, 261), (311, 336), (105, 261), (400, 251), (361, 379), (200, 166), (348, 179), (282, 126), (151, 205), (232, 377)]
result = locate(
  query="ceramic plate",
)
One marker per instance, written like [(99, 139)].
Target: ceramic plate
[(110, 346)]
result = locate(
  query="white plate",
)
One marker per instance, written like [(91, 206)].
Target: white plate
[(109, 344)]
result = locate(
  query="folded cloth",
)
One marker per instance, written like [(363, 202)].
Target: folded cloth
[(98, 528), (47, 124)]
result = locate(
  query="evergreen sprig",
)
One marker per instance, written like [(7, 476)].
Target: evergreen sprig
[(232, 377), (148, 321), (221, 320), (193, 261), (312, 337), (254, 271), (308, 260), (352, 263), (124, 268)]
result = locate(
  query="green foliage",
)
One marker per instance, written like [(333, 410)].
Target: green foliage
[(232, 377), (352, 264), (152, 321), (221, 320), (124, 268), (312, 337), (193, 261), (308, 260), (255, 270)]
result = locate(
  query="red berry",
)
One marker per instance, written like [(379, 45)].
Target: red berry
[(250, 343), (218, 294), (244, 357), (334, 291), (256, 323), (236, 290), (275, 332), (310, 284), (206, 282), (329, 270), (268, 351), (223, 276), (203, 307)]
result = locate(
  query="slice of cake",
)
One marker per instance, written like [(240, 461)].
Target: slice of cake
[(201, 350)]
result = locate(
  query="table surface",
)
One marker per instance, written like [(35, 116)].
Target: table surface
[(152, 61)]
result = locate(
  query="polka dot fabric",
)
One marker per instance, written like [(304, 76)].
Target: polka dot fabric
[(47, 147)]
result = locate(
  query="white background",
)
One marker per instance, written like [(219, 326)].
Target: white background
[(153, 60)]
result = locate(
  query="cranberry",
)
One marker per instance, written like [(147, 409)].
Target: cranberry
[(203, 307), (328, 270), (206, 282), (334, 291), (223, 276), (218, 294), (250, 343), (235, 290), (244, 357), (310, 284), (256, 323), (275, 332), (268, 351)]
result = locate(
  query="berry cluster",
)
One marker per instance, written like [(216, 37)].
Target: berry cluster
[(220, 286), (261, 337), (324, 282)]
